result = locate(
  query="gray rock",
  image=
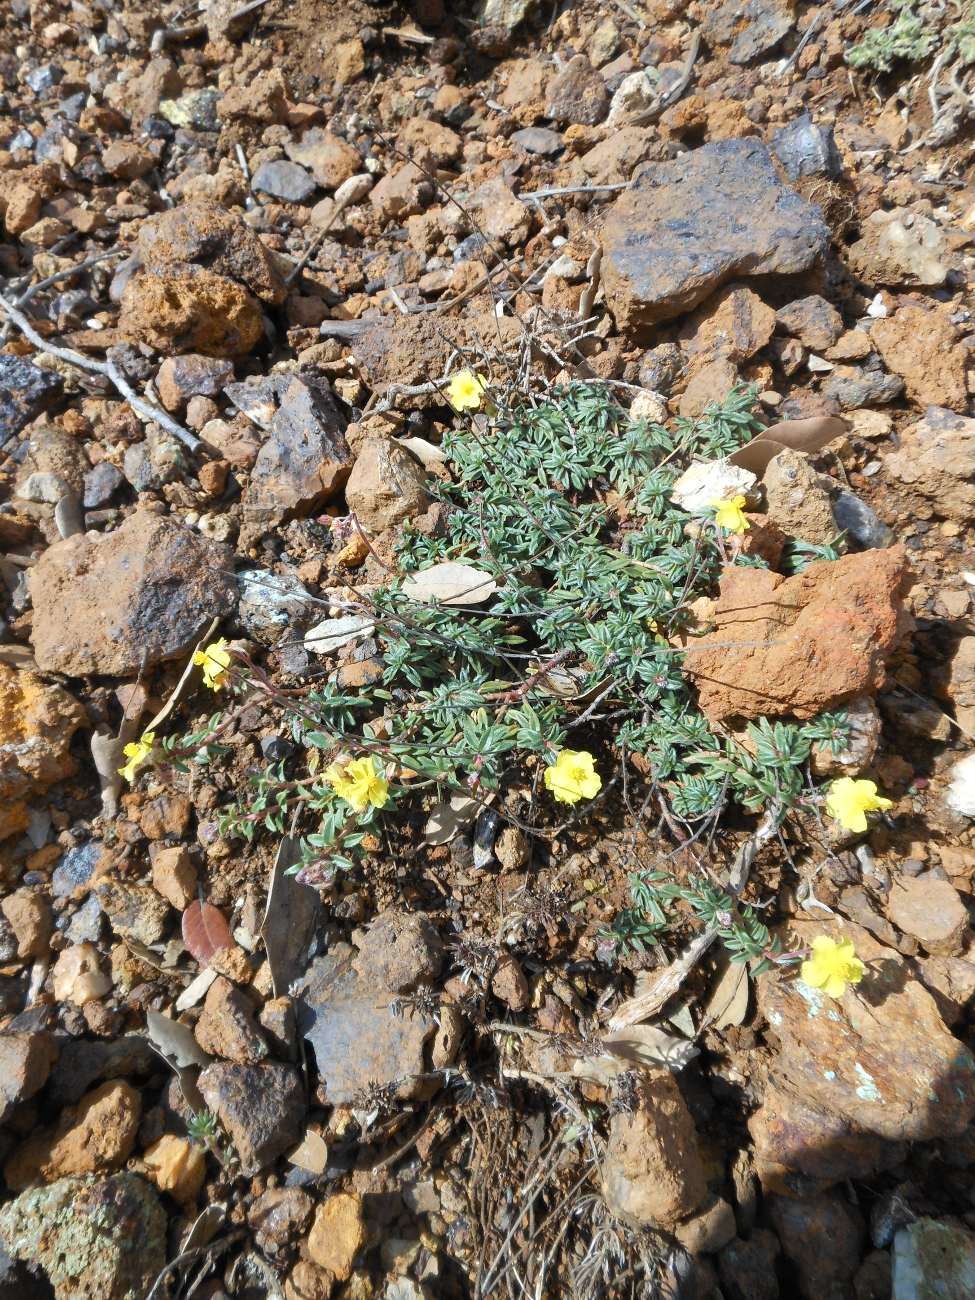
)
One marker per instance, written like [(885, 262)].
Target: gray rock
[(686, 227), (75, 868), (504, 13), (305, 461), (22, 139), (196, 109), (345, 1013), (44, 78), (934, 1261), (852, 387), (538, 139), (95, 1238), (25, 1063), (858, 520), (661, 367), (262, 1107), (25, 391), (807, 149), (101, 484), (751, 28), (284, 180), (87, 924), (747, 1268)]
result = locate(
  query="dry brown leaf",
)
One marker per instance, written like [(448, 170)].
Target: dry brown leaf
[(174, 1041), (797, 435), (289, 921), (205, 931), (728, 1002), (450, 583)]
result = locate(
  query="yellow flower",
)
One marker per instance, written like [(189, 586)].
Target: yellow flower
[(214, 660), (573, 776), (360, 783), (730, 514), (832, 966), (137, 752), (465, 389), (849, 801)]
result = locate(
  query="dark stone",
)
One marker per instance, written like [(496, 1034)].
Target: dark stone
[(75, 868), (577, 94), (661, 367), (747, 1269), (305, 461), (101, 484), (686, 227), (360, 1043), (857, 519), (751, 28), (852, 387), (84, 1062), (25, 391), (262, 1107), (806, 149), (284, 180)]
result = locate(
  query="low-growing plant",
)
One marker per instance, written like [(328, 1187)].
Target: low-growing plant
[(568, 675), (917, 29)]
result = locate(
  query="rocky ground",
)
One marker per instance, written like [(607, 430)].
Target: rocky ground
[(239, 242)]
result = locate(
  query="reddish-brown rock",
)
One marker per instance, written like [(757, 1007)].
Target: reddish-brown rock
[(936, 458), (96, 1136), (201, 312), (652, 1172), (803, 644), (118, 602), (922, 347)]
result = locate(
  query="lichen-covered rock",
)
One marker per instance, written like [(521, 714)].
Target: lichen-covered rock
[(25, 391), (118, 602), (95, 1238), (862, 1074), (933, 1261), (37, 722)]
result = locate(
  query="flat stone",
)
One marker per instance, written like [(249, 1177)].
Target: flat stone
[(119, 602), (922, 347), (95, 1238), (26, 390), (686, 227), (262, 1107), (284, 180), (359, 1042), (192, 375), (860, 521), (931, 911), (851, 387)]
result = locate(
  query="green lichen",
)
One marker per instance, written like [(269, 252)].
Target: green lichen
[(95, 1238)]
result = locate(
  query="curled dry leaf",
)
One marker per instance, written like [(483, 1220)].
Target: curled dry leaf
[(643, 1046), (797, 435), (205, 931), (174, 1041), (450, 583)]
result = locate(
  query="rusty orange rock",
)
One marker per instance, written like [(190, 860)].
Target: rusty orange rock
[(803, 644)]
